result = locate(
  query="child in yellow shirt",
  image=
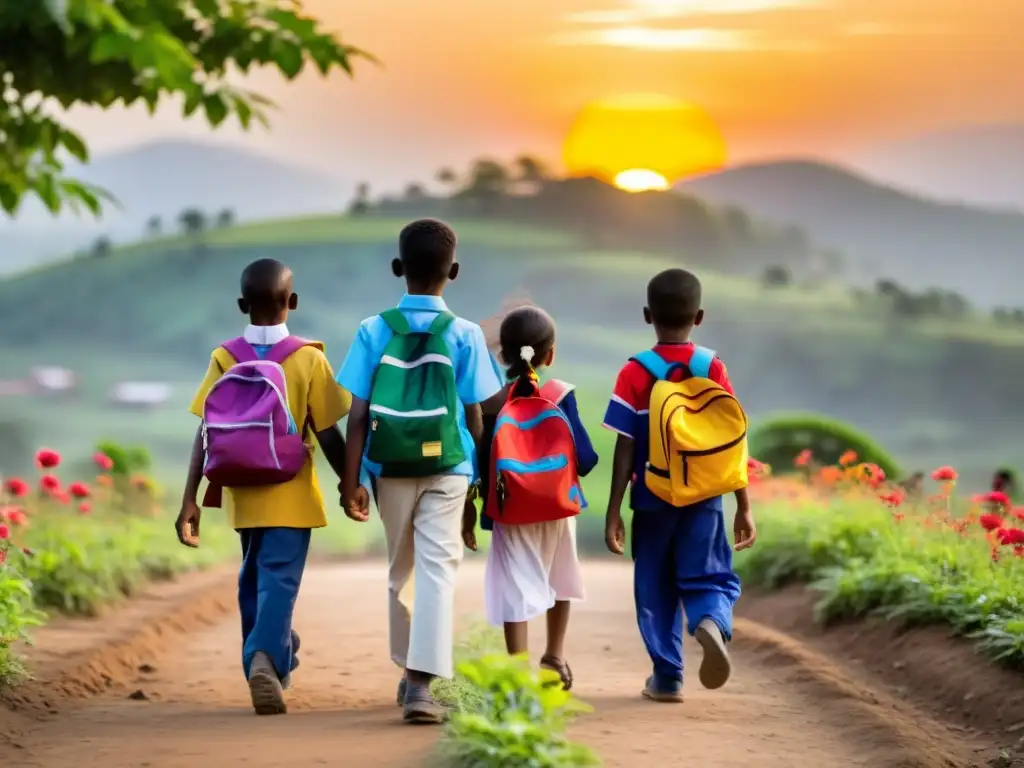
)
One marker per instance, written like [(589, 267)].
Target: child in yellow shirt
[(274, 520)]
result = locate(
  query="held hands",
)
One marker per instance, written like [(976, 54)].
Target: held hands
[(614, 532), (357, 504), (743, 528), (187, 524), (469, 525)]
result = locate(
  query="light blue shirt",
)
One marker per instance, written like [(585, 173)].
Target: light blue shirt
[(475, 375)]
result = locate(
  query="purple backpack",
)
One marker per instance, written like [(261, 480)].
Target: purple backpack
[(249, 435)]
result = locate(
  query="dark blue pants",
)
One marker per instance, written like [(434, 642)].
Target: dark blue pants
[(683, 562), (272, 563)]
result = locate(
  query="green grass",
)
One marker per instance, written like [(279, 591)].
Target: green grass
[(912, 568)]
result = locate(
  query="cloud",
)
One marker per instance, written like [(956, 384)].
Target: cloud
[(660, 25), (640, 11)]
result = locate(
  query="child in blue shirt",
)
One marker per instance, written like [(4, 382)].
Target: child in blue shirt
[(532, 569)]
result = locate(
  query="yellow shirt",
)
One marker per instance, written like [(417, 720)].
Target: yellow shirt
[(312, 389)]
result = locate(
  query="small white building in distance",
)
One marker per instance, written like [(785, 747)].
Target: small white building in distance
[(54, 380), (140, 394)]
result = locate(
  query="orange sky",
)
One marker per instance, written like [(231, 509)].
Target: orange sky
[(465, 77)]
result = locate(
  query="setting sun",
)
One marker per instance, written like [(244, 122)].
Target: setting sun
[(643, 141), (640, 180)]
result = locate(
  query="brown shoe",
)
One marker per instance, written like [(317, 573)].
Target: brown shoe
[(420, 708), (716, 667), (265, 687)]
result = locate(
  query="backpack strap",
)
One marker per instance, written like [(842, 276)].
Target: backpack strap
[(241, 350), (556, 390), (288, 346), (440, 323), (653, 363), (395, 319), (700, 362)]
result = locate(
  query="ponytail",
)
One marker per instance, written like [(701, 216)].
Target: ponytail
[(522, 372)]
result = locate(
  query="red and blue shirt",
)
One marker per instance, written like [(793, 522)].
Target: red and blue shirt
[(628, 415)]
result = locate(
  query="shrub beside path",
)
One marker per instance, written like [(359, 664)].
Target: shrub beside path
[(181, 701)]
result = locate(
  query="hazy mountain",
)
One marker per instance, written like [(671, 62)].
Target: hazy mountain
[(980, 165), (162, 179), (883, 231)]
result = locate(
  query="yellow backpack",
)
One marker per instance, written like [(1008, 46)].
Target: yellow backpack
[(698, 432)]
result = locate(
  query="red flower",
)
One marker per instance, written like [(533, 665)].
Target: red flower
[(1019, 513), (997, 497), (47, 459), (3, 556), (84, 508), (1010, 536), (803, 458), (991, 522), (5, 532), (945, 474), (104, 462), (49, 483), (893, 498), (62, 497), (13, 515), (79, 490), (847, 458), (17, 487)]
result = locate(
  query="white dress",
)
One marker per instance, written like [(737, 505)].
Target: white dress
[(529, 568)]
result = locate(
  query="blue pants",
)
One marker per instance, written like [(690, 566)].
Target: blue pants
[(683, 562), (272, 563)]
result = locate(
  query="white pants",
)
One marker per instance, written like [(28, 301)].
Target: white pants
[(423, 526)]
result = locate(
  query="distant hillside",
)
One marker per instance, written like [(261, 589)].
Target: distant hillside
[(154, 310), (978, 165), (883, 232), (162, 179)]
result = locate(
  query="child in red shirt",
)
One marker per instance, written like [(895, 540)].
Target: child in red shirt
[(682, 558)]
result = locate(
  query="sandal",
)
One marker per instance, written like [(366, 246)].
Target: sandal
[(561, 668)]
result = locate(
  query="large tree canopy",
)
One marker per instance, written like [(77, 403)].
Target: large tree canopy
[(56, 54)]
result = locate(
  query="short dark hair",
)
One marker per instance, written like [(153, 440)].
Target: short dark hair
[(427, 250), (673, 298), (266, 285)]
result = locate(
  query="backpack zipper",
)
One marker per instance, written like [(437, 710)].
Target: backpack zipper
[(706, 452)]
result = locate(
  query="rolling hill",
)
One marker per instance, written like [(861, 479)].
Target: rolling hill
[(161, 179), (156, 309), (978, 164), (881, 231)]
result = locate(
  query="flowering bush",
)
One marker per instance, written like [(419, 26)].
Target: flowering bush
[(873, 546), (71, 547)]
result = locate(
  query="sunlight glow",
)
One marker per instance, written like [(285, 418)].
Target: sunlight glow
[(640, 180)]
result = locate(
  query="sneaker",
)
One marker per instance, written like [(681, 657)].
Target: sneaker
[(403, 685), (663, 693), (716, 666), (264, 687), (420, 708)]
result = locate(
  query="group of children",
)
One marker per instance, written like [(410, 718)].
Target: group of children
[(436, 420)]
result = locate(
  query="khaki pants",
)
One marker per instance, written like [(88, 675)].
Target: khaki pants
[(423, 526)]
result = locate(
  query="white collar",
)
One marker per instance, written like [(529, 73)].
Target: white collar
[(265, 334)]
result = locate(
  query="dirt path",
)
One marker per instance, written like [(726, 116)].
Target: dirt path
[(785, 707)]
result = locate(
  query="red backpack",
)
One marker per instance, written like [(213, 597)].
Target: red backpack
[(533, 459)]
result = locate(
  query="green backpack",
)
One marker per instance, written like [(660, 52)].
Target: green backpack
[(414, 428)]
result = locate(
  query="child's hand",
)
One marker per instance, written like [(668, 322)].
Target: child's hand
[(743, 528), (469, 525), (357, 505), (615, 533), (187, 524)]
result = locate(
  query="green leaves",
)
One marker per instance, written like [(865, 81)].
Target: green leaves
[(112, 51), (518, 720)]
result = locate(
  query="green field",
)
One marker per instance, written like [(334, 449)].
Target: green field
[(932, 391)]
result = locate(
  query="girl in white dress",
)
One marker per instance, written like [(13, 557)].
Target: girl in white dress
[(531, 569)]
